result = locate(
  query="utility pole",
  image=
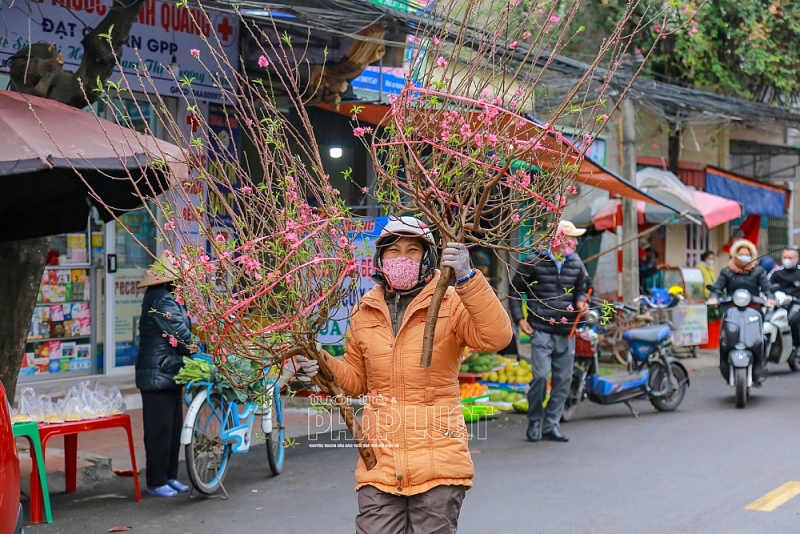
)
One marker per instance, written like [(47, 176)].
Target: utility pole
[(630, 227)]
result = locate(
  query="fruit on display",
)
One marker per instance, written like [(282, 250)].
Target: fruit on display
[(479, 363), (473, 390), (521, 406), (511, 373), (474, 412), (505, 396)]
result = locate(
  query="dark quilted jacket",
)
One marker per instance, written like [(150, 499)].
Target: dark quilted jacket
[(158, 361), (786, 280), (549, 292), (756, 282)]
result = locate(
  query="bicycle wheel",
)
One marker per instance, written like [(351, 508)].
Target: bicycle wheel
[(619, 348), (275, 440), (207, 454)]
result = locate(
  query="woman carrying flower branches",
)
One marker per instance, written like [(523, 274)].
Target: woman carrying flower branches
[(412, 417)]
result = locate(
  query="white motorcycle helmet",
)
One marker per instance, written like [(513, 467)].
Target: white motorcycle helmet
[(406, 226)]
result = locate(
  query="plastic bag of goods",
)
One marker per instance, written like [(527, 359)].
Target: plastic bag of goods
[(30, 407), (52, 414), (101, 403), (87, 402), (17, 417), (72, 410), (117, 403)]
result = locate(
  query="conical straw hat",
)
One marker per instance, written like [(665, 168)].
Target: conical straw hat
[(161, 272)]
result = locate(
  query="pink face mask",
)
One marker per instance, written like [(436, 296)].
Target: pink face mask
[(402, 273)]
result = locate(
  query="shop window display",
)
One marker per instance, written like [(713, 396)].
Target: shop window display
[(60, 338)]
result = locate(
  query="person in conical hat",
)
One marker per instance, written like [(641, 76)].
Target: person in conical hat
[(165, 333), (163, 271)]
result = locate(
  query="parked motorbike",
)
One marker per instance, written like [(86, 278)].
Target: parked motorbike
[(778, 333), (741, 342), (653, 372)]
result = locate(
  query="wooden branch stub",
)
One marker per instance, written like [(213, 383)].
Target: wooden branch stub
[(433, 315), (327, 382)]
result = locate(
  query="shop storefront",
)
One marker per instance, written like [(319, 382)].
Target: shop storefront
[(87, 314)]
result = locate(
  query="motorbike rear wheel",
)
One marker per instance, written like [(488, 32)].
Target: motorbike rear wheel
[(574, 397), (672, 392), (794, 361), (740, 380)]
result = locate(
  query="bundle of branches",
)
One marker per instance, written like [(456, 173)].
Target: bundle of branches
[(261, 262), (459, 145)]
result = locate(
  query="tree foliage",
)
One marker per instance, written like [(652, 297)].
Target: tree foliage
[(744, 48)]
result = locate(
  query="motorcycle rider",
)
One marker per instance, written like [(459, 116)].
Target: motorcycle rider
[(787, 280), (743, 272)]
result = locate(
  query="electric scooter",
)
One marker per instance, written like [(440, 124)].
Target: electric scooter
[(653, 372), (778, 333), (741, 341)]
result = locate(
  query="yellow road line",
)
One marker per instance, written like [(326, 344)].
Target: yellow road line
[(775, 498)]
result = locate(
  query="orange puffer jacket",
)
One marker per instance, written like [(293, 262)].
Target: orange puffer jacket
[(412, 416)]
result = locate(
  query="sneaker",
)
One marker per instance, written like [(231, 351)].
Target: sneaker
[(163, 491), (177, 486)]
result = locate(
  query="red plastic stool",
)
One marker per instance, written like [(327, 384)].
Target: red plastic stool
[(70, 432)]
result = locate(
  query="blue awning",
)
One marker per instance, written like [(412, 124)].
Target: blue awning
[(755, 198)]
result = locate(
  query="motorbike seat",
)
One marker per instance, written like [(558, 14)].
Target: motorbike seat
[(648, 334)]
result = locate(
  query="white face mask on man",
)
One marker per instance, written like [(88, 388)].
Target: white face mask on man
[(789, 264)]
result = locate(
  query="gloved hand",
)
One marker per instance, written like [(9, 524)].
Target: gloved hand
[(310, 368), (456, 256)]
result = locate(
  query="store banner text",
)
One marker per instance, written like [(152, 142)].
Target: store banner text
[(162, 30)]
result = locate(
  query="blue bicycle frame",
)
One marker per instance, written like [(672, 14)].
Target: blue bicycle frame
[(235, 421)]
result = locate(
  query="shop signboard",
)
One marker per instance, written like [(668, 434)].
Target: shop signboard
[(225, 139), (162, 31), (386, 80), (596, 151), (364, 242), (128, 308), (399, 5), (194, 189), (690, 322)]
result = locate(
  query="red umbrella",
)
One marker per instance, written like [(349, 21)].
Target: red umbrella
[(43, 142)]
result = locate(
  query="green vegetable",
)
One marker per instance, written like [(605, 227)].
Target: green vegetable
[(194, 370), (246, 377)]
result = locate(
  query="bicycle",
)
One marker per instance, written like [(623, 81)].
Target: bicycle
[(215, 427)]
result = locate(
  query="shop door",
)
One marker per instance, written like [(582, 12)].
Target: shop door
[(128, 249)]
